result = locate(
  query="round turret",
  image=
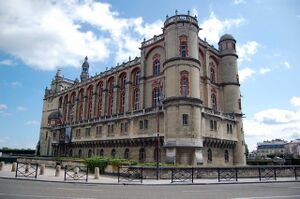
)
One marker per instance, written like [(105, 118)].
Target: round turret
[(227, 45)]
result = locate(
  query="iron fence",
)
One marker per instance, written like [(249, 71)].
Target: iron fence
[(27, 170), (76, 173)]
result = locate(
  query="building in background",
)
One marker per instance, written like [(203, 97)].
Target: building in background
[(273, 148), (179, 101), (293, 148)]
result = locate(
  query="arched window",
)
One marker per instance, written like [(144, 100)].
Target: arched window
[(80, 105), (60, 102), (126, 154), (113, 153), (226, 156), (156, 93), (72, 107), (142, 155), (122, 102), (156, 67), (89, 102), (110, 95), (99, 91), (212, 75), (65, 109), (183, 46), (90, 153), (101, 152), (209, 155), (155, 154), (122, 80), (214, 102), (184, 83), (80, 153), (137, 77), (136, 99), (70, 153)]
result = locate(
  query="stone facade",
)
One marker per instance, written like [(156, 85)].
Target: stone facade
[(180, 98)]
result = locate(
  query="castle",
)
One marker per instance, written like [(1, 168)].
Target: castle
[(179, 102)]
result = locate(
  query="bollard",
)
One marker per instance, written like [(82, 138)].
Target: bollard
[(14, 167), (57, 171), (76, 173), (97, 176), (42, 169), (2, 165)]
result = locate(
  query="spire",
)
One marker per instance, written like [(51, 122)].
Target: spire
[(85, 70)]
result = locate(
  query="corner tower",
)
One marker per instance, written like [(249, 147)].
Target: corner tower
[(231, 92), (182, 102)]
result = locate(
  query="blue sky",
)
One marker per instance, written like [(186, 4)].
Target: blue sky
[(37, 37)]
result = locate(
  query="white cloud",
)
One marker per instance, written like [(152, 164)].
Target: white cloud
[(213, 28), (247, 50), (21, 108), (286, 64), (3, 106), (295, 101), (245, 73), (264, 70), (276, 116), (32, 122), (6, 62), (49, 34), (15, 84), (236, 2)]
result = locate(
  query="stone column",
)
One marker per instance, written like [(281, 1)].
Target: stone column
[(57, 171), (97, 175), (42, 169), (2, 164), (14, 167)]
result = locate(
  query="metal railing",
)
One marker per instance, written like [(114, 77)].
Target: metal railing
[(26, 170), (76, 173)]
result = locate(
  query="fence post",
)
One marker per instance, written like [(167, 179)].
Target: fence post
[(87, 174), (219, 177), (118, 174), (16, 168), (65, 178), (192, 174), (275, 177), (259, 173), (295, 171), (236, 174), (142, 174), (36, 170), (172, 173)]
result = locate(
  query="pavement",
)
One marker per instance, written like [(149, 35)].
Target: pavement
[(49, 175)]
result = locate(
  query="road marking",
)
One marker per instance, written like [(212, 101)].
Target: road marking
[(289, 196), (40, 196), (74, 189), (195, 191)]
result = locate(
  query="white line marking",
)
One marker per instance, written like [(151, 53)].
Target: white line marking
[(40, 196), (74, 189), (195, 191), (290, 196)]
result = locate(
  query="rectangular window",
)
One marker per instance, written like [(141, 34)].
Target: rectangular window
[(88, 132), (240, 104), (122, 128), (185, 119), (141, 124), (215, 125), (145, 124), (126, 127), (211, 122), (77, 133), (98, 131)]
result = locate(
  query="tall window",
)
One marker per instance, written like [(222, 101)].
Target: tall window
[(212, 75), (122, 102), (136, 76), (65, 109), (110, 95), (136, 95), (101, 152), (226, 156), (113, 153), (80, 105), (214, 101), (183, 46), (60, 102), (185, 119), (142, 155), (72, 107), (156, 93), (184, 83), (122, 80), (89, 102), (99, 90), (156, 67), (126, 153), (209, 155)]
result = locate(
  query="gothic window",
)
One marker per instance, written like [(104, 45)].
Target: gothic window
[(122, 102), (110, 95), (89, 102), (80, 106), (113, 153), (212, 75), (156, 67), (137, 77), (136, 99), (209, 155), (183, 46), (226, 156), (99, 90), (214, 102), (126, 153), (142, 155), (184, 83), (156, 97), (122, 80), (72, 107), (65, 108)]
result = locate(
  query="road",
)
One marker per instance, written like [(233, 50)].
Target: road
[(19, 189)]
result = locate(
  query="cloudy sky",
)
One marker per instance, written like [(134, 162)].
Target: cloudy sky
[(37, 37)]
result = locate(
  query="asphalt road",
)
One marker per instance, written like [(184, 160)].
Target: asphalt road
[(17, 189)]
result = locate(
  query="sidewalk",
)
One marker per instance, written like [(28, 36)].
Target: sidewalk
[(49, 175)]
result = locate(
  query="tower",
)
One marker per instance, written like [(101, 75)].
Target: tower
[(231, 92), (85, 70), (182, 102)]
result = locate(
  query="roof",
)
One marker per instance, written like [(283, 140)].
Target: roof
[(226, 37)]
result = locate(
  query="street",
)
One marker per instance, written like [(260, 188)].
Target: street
[(18, 189)]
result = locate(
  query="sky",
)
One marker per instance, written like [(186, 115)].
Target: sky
[(38, 37)]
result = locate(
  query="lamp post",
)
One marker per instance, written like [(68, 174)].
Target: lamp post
[(157, 130)]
